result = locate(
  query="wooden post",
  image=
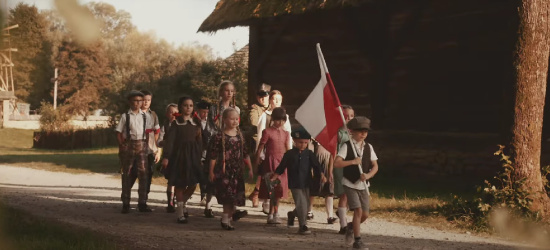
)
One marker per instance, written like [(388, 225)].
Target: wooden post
[(55, 90)]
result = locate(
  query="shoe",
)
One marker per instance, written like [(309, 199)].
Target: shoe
[(182, 220), (343, 230), (144, 208), (170, 209), (349, 234), (331, 220), (125, 208), (226, 226), (272, 220), (276, 219), (203, 201), (186, 215), (208, 213), (254, 197), (304, 230), (358, 244), (290, 218), (239, 214), (309, 215)]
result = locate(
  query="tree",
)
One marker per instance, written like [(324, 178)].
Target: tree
[(83, 77), (531, 68), (33, 69)]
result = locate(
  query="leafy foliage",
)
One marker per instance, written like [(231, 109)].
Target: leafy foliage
[(53, 119), (503, 192), (33, 70)]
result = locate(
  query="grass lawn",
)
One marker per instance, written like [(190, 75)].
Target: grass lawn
[(20, 230), (395, 198)]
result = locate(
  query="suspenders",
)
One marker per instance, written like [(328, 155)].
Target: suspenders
[(128, 126)]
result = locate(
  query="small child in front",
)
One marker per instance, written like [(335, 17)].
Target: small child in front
[(355, 181), (299, 162)]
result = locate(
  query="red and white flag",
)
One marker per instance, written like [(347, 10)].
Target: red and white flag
[(320, 113)]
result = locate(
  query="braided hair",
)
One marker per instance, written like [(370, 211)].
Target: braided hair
[(225, 115)]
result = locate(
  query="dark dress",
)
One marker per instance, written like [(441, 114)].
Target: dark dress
[(183, 149), (229, 186)]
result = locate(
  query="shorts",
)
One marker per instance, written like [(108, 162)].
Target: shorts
[(357, 198)]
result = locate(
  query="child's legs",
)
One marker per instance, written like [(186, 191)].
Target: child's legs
[(179, 193), (149, 165), (358, 201), (188, 192), (357, 215), (127, 160), (343, 200), (228, 209), (258, 182), (274, 205), (170, 195), (301, 199), (329, 205), (310, 206), (139, 152)]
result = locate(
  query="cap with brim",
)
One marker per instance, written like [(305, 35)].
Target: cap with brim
[(263, 89), (203, 105), (300, 133), (359, 123), (134, 93)]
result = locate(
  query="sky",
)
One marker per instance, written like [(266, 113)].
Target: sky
[(175, 21)]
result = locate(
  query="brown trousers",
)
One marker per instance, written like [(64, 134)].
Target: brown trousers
[(133, 155)]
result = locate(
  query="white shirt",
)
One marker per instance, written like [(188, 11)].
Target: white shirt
[(343, 152), (136, 125), (262, 125), (203, 124)]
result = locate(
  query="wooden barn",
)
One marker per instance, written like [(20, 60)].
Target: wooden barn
[(428, 65)]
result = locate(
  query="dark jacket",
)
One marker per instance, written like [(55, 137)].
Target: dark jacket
[(299, 166)]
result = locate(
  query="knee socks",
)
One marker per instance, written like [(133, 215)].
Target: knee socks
[(170, 197), (329, 205), (180, 208), (342, 216)]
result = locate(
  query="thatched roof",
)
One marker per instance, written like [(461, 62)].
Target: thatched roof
[(231, 13)]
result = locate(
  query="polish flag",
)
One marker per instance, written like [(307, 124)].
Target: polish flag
[(320, 114)]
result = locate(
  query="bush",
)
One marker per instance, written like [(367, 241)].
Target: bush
[(53, 119), (502, 193)]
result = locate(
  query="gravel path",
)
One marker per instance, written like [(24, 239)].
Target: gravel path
[(93, 201)]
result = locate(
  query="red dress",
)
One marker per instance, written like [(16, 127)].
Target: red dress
[(275, 140)]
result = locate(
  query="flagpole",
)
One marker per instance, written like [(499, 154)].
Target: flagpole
[(324, 64)]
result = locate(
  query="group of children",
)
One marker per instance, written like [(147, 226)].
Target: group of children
[(205, 146)]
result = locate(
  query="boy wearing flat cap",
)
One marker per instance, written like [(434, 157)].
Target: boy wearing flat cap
[(132, 140), (355, 180), (256, 110), (298, 162)]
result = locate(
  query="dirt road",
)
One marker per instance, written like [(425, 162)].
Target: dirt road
[(93, 201)]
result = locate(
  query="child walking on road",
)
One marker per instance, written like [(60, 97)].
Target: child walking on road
[(355, 181), (182, 152), (299, 163), (275, 142), (228, 155)]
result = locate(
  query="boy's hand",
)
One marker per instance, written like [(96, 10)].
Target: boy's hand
[(364, 177), (164, 163), (356, 161), (274, 177), (330, 178)]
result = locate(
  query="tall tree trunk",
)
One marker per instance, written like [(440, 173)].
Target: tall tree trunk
[(531, 68)]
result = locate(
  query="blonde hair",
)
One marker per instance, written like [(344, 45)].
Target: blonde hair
[(232, 103), (225, 115)]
